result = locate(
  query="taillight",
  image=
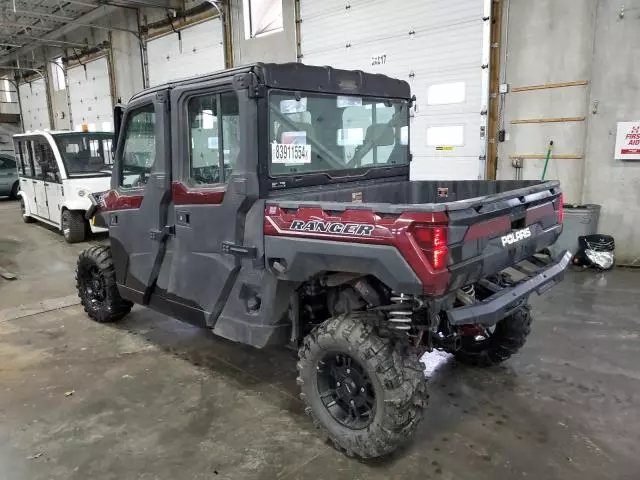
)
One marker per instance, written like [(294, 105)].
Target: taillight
[(561, 208), (433, 242)]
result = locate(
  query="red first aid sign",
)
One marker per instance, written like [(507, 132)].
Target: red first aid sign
[(628, 141)]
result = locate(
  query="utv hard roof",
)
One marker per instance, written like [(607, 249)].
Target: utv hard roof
[(297, 76)]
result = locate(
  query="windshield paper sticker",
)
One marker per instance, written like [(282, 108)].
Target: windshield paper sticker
[(290, 153), (344, 102), (298, 138), (293, 105)]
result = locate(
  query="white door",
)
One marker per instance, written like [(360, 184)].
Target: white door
[(438, 46), (23, 157), (197, 50), (90, 95), (53, 190), (34, 106)]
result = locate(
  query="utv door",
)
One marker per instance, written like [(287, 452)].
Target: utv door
[(39, 190), (211, 196), (142, 183)]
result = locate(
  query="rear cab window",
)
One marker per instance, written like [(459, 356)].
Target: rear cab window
[(335, 134)]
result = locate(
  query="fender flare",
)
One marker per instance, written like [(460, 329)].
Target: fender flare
[(77, 204)]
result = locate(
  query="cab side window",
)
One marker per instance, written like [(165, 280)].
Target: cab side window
[(44, 157), (139, 152), (24, 169), (35, 164), (214, 137)]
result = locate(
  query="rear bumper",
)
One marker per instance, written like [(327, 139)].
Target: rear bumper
[(499, 305)]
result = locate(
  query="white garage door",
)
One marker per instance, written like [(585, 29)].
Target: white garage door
[(438, 46), (197, 50), (90, 95), (33, 103)]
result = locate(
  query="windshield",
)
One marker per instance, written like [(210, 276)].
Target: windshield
[(332, 133), (85, 154)]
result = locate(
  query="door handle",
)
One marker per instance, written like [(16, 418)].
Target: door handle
[(23, 179), (46, 184), (34, 182), (183, 218)]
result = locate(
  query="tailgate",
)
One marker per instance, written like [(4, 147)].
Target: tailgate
[(488, 235)]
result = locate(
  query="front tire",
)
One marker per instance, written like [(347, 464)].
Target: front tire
[(508, 337), (74, 227), (97, 288), (23, 210), (364, 392)]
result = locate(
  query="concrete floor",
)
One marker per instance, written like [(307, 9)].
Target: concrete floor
[(153, 398)]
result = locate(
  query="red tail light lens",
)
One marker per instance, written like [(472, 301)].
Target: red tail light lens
[(561, 209), (433, 242)]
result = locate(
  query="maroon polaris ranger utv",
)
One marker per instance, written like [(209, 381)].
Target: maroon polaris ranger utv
[(272, 204)]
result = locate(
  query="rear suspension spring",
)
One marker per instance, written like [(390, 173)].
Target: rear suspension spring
[(400, 315)]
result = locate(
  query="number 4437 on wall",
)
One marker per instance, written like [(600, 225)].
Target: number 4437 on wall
[(379, 59)]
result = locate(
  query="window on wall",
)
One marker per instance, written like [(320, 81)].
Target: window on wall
[(139, 153), (214, 134), (8, 95), (449, 135), (57, 73), (262, 17)]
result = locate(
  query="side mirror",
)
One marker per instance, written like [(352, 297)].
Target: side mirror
[(118, 113)]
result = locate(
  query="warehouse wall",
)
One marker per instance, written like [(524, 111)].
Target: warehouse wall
[(126, 55), (615, 85), (547, 41), (570, 40), (275, 47)]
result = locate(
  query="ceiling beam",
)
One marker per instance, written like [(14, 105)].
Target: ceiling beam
[(72, 25), (166, 4), (35, 13), (22, 26)]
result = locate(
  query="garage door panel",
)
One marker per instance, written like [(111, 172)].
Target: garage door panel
[(425, 167), (459, 134), (436, 46), (440, 95), (34, 107), (90, 95), (335, 27), (199, 51)]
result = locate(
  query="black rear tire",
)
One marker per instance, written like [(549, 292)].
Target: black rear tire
[(395, 379), (14, 191), (74, 226), (23, 211), (507, 339), (97, 288)]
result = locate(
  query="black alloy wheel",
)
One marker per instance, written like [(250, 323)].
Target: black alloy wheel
[(92, 286), (346, 390)]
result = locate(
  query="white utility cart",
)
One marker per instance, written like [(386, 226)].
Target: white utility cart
[(58, 171)]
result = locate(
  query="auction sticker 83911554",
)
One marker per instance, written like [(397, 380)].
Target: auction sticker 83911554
[(290, 153)]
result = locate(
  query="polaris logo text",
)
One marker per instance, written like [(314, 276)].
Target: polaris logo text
[(356, 229), (514, 237)]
